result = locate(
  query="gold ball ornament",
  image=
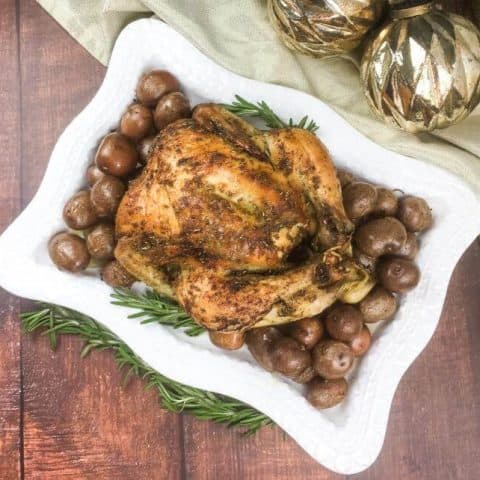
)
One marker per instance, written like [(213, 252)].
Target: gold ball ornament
[(422, 69), (323, 28)]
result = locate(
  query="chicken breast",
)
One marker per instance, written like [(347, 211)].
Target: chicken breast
[(243, 227)]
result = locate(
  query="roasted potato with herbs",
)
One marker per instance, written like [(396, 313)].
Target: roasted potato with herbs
[(106, 195), (398, 275), (137, 122), (94, 174), (227, 340), (386, 204), (409, 249), (332, 359), (381, 236), (116, 155), (289, 358), (79, 212), (359, 199), (307, 331), (414, 213), (323, 393), (171, 107), (101, 241), (260, 342), (361, 342), (378, 305), (154, 85), (343, 322), (68, 252), (116, 276)]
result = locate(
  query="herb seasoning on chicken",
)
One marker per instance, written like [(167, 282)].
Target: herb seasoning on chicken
[(227, 204)]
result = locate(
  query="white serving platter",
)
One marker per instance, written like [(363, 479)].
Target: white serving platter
[(346, 439)]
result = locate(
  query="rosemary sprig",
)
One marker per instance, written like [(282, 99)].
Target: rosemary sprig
[(244, 108), (176, 397), (155, 308)]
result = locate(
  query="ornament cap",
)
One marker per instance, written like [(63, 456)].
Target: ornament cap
[(420, 74), (409, 8)]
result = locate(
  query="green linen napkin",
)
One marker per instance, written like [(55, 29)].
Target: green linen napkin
[(237, 35)]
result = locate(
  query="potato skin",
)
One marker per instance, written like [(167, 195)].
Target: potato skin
[(343, 322), (359, 200), (101, 241), (227, 341), (410, 248), (116, 155), (137, 122), (378, 305), (306, 376), (171, 107), (68, 252), (361, 343), (323, 393), (116, 276), (398, 275), (106, 195), (155, 84), (386, 204), (381, 236), (94, 174), (260, 342), (332, 359), (344, 177), (143, 148), (307, 331), (414, 213), (79, 212), (289, 358), (367, 262)]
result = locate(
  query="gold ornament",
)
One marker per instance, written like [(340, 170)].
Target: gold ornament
[(422, 70), (323, 28)]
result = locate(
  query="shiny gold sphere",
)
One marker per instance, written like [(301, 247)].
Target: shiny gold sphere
[(423, 72), (323, 28)]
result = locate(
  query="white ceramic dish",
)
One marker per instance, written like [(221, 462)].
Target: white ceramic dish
[(346, 439)]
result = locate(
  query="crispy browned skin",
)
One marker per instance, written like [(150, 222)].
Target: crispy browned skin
[(306, 164), (217, 212)]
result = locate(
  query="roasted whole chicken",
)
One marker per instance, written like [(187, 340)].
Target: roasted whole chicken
[(243, 227)]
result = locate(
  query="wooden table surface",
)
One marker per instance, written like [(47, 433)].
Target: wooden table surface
[(63, 417)]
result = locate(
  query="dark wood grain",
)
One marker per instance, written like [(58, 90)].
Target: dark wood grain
[(215, 453), (10, 370), (62, 417), (434, 427), (79, 422)]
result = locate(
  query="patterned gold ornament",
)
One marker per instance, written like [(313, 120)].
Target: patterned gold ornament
[(422, 70), (323, 28)]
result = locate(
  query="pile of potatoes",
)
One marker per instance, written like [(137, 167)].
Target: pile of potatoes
[(319, 352), (121, 155)]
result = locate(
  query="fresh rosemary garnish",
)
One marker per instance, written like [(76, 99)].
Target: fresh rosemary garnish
[(176, 397), (155, 308), (244, 108)]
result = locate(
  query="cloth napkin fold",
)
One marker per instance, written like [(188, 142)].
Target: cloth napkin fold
[(237, 34)]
